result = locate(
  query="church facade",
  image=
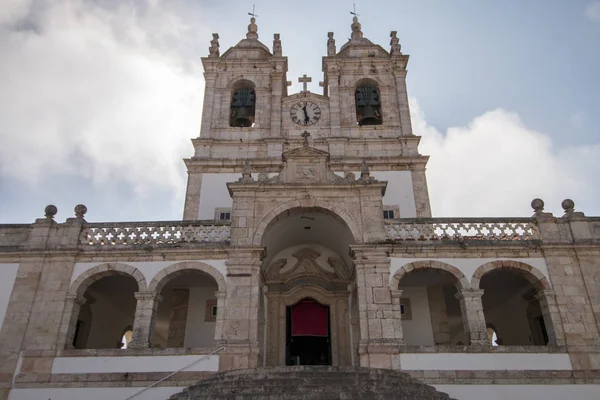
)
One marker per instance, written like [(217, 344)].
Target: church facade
[(306, 239)]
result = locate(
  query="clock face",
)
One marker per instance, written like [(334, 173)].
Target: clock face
[(305, 113)]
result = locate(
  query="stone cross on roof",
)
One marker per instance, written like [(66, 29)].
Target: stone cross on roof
[(305, 135), (304, 80)]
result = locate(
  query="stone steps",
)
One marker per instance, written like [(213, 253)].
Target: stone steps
[(311, 382)]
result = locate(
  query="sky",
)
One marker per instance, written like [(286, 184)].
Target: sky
[(99, 98)]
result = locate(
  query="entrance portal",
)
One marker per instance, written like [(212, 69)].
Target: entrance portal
[(308, 337)]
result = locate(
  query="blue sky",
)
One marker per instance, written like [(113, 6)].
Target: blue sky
[(99, 98)]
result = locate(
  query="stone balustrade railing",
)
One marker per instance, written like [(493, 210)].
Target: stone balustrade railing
[(136, 233), (440, 229)]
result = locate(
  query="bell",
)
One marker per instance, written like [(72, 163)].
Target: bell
[(242, 118), (370, 116)]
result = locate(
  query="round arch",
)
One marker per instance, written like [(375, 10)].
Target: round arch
[(461, 281), (166, 274), (368, 80), (532, 274), (241, 79), (299, 206), (87, 278)]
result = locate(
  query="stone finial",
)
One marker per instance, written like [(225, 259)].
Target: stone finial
[(330, 44), (252, 29), (246, 173), (80, 210), (364, 169), (356, 32), (538, 206), (50, 211), (395, 44), (277, 45), (568, 205), (213, 50)]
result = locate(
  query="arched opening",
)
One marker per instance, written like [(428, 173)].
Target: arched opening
[(511, 307), (243, 104), (126, 338), (308, 258), (107, 313), (308, 333), (492, 335), (368, 103), (187, 315), (431, 314)]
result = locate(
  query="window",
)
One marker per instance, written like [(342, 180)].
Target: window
[(223, 214), (405, 309), (391, 212)]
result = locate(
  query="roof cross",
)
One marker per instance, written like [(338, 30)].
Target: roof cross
[(354, 10), (252, 14), (305, 135), (304, 80)]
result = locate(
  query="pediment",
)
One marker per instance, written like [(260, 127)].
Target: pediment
[(362, 48), (304, 151)]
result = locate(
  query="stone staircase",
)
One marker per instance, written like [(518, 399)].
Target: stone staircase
[(311, 383)]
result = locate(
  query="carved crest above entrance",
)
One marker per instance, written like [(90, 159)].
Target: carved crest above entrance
[(308, 267)]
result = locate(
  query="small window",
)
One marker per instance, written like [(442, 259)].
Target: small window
[(388, 214), (405, 309), (224, 216), (402, 309), (213, 311)]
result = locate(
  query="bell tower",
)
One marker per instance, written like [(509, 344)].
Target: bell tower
[(361, 119)]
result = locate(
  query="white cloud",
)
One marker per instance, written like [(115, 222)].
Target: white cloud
[(97, 92), (592, 11), (496, 165)]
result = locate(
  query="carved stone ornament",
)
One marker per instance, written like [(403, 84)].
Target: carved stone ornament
[(309, 165), (307, 266)]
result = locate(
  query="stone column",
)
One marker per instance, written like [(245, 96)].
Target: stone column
[(379, 311), (547, 300), (472, 314), (144, 320), (239, 332), (66, 332)]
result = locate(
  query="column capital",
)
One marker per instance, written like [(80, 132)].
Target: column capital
[(76, 298), (148, 296), (468, 294), (220, 295), (544, 294), (396, 293)]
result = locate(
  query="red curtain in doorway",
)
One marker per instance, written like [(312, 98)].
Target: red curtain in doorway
[(309, 318)]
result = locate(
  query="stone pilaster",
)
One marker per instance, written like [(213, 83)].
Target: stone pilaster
[(403, 107), (438, 314), (239, 332), (191, 208), (472, 314), (554, 329), (208, 109), (178, 318), (379, 310), (66, 332), (421, 192), (145, 319)]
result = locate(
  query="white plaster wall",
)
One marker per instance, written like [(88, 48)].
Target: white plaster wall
[(91, 365), (199, 333), (214, 193), (484, 361), (161, 393), (521, 392), (399, 191), (149, 268), (418, 331), (468, 266), (8, 275)]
